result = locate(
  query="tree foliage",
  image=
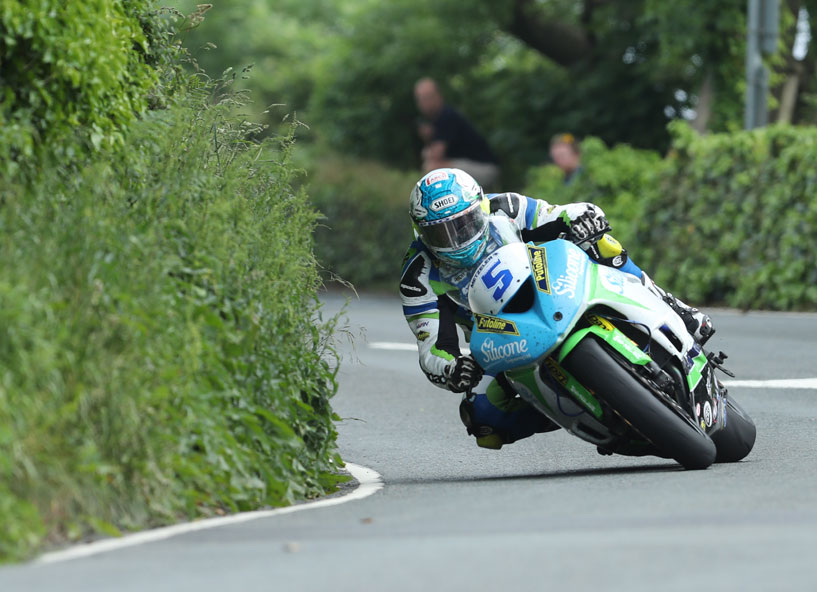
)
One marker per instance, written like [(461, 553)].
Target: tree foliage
[(282, 43), (521, 70)]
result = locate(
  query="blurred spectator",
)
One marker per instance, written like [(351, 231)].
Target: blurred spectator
[(450, 140), (566, 154), (425, 129)]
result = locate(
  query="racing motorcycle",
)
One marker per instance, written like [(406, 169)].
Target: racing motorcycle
[(602, 356)]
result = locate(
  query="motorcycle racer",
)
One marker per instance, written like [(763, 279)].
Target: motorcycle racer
[(457, 225)]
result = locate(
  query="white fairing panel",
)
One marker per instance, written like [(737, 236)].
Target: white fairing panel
[(626, 294), (498, 278)]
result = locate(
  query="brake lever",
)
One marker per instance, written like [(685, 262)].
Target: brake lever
[(594, 237), (717, 361)]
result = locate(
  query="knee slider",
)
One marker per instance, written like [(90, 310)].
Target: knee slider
[(492, 441)]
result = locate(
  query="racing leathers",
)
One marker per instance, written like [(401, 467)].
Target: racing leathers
[(435, 301)]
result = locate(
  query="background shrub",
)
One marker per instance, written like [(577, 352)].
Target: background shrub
[(620, 180), (733, 219), (366, 228), (725, 219)]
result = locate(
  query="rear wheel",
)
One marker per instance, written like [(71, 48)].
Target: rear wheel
[(668, 428), (736, 439)]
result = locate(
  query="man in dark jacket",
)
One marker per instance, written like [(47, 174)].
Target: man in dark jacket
[(450, 140)]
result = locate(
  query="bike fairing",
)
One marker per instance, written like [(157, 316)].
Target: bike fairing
[(659, 402)]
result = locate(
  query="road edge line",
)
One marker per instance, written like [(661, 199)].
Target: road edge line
[(369, 482)]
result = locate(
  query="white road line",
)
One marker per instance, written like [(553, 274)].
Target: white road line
[(370, 482), (782, 383), (393, 345), (399, 346)]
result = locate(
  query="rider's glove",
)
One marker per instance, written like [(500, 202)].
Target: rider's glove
[(591, 224), (462, 374)]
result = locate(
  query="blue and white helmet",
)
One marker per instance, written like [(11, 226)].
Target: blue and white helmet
[(450, 213)]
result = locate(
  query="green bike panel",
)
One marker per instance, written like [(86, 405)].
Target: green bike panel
[(696, 372), (615, 338)]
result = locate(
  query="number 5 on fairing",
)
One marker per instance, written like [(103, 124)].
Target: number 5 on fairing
[(503, 277)]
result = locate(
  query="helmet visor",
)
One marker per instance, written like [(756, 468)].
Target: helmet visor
[(456, 231)]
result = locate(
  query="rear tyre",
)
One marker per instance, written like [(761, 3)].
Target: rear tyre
[(737, 438), (673, 435)]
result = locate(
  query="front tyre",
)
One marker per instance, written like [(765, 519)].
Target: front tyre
[(673, 435), (736, 439)]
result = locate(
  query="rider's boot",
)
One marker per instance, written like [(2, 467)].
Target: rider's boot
[(697, 323), (497, 417)]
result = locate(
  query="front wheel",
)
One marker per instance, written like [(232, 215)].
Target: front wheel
[(736, 439), (673, 435)]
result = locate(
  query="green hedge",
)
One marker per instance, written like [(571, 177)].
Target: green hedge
[(162, 350), (726, 219), (734, 218)]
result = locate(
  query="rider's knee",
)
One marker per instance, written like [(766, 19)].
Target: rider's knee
[(485, 435), (492, 426)]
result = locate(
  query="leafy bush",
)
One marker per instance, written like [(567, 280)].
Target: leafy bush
[(366, 229), (723, 219), (162, 354), (734, 220)]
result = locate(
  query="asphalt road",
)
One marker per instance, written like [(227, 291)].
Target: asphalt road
[(544, 513)]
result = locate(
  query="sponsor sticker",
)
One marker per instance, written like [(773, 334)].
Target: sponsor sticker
[(708, 414), (581, 394), (436, 178), (603, 323), (539, 266), (555, 370), (566, 283), (408, 288), (488, 324), (423, 335), (627, 344), (443, 202), (506, 351)]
